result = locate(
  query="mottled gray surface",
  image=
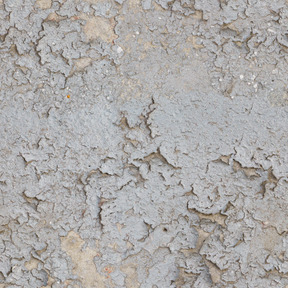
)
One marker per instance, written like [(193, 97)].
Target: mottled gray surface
[(144, 143)]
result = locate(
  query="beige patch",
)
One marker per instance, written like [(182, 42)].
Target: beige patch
[(195, 42), (54, 17), (202, 236), (32, 264), (44, 4), (218, 217), (82, 63), (215, 272), (135, 5), (249, 172), (157, 7), (99, 27), (198, 15), (49, 283), (184, 278), (148, 46), (84, 266), (131, 280), (132, 89), (268, 239)]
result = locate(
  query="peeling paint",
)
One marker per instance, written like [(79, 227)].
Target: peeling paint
[(144, 143)]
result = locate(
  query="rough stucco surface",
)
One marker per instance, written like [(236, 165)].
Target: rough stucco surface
[(166, 166)]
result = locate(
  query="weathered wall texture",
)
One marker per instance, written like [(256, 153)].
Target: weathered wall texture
[(143, 143)]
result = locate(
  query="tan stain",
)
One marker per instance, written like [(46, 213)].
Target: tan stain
[(231, 26), (194, 41), (218, 217), (267, 239), (214, 272), (198, 15), (225, 159), (271, 238), (132, 89), (82, 63), (32, 264), (184, 277), (99, 27), (50, 282), (54, 17), (135, 5), (95, 28), (149, 45), (202, 236), (158, 7), (131, 280), (43, 4), (83, 262), (250, 172)]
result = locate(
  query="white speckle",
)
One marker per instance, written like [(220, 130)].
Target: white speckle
[(220, 79), (241, 77), (249, 83), (137, 32), (119, 50), (270, 30), (159, 18), (275, 71)]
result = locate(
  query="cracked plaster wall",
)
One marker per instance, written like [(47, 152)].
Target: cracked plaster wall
[(166, 166)]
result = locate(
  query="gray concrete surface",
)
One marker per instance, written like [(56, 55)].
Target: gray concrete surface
[(144, 143)]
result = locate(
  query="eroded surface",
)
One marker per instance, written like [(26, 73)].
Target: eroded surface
[(143, 143)]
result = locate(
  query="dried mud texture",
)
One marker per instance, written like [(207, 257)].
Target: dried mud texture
[(143, 143)]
